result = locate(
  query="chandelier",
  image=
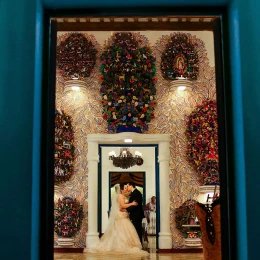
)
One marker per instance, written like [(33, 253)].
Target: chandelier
[(126, 159)]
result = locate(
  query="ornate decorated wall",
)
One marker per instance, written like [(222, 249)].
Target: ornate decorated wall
[(171, 112)]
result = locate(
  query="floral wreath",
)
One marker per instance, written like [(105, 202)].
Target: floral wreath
[(127, 83), (76, 56), (68, 217), (202, 148), (64, 148), (180, 46), (183, 216)]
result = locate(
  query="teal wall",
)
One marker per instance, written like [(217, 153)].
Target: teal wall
[(20, 103), (17, 90), (247, 15)]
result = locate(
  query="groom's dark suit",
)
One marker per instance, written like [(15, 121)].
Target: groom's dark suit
[(136, 212)]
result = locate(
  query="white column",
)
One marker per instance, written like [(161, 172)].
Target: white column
[(92, 235), (165, 236)]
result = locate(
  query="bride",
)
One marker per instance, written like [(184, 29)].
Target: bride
[(120, 236)]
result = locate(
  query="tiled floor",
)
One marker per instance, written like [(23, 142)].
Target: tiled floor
[(73, 256), (153, 255)]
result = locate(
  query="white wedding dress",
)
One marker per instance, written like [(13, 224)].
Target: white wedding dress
[(120, 236)]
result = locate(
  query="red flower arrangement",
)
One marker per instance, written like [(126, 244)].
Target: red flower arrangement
[(202, 148)]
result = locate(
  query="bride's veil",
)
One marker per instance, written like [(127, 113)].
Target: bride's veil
[(115, 204), (114, 208)]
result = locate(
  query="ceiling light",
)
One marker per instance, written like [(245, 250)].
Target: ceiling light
[(125, 159), (128, 140)]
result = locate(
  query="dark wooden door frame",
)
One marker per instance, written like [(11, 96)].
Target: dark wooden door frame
[(48, 107)]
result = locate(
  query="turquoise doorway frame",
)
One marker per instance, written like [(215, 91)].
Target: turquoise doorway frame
[(223, 192)]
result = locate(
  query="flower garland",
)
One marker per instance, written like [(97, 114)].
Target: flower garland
[(180, 58), (183, 216), (76, 56), (202, 135), (127, 84), (68, 217), (64, 148)]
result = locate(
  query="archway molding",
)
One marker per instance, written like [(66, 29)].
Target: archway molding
[(162, 140)]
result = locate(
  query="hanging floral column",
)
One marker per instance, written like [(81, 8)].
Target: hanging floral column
[(202, 148), (64, 148), (127, 84)]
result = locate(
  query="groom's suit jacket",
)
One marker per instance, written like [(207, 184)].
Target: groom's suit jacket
[(136, 212)]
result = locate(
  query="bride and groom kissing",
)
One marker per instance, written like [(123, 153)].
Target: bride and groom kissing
[(123, 234)]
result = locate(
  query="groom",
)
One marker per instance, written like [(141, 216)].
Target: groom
[(136, 213)]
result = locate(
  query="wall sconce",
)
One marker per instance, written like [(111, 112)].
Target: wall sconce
[(74, 85), (181, 83)]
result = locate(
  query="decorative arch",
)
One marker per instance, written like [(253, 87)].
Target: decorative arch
[(165, 236)]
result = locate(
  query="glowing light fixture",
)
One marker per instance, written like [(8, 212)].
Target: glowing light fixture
[(128, 140), (181, 83), (75, 85), (181, 87), (126, 159)]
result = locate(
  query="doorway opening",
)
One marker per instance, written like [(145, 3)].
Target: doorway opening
[(138, 178), (176, 105), (146, 177)]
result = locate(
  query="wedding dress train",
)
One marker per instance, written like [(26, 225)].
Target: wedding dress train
[(120, 236)]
